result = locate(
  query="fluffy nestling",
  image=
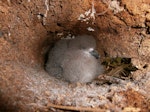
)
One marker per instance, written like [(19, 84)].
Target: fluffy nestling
[(76, 60)]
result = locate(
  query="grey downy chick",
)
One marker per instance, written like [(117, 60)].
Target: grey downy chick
[(81, 62), (80, 66), (76, 60), (55, 58)]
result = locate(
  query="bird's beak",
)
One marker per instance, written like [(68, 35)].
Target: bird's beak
[(95, 54)]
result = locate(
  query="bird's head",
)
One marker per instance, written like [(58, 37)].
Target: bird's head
[(82, 42), (92, 51)]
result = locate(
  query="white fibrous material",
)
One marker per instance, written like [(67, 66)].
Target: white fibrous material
[(115, 6), (46, 12), (93, 12), (69, 36), (60, 34), (82, 18), (90, 29), (38, 16), (47, 8), (9, 34), (89, 14)]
